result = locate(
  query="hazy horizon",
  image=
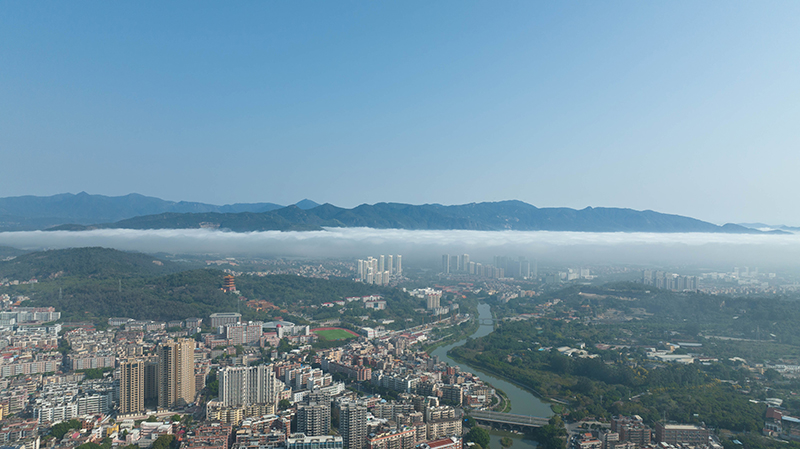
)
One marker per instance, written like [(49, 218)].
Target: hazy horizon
[(695, 250)]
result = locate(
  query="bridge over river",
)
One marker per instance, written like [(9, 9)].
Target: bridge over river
[(508, 421)]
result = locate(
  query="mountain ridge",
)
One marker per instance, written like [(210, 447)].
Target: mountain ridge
[(486, 216), (29, 212)]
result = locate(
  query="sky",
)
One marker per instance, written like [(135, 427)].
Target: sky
[(681, 107)]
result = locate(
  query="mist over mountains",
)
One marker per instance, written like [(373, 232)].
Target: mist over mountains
[(85, 212)]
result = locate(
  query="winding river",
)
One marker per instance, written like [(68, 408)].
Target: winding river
[(522, 401)]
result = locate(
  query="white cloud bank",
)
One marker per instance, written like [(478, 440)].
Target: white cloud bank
[(587, 247)]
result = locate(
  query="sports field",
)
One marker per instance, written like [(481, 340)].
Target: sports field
[(334, 333)]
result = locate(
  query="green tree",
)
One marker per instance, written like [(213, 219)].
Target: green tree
[(89, 446), (284, 404), (479, 436), (284, 346), (553, 435), (165, 442), (772, 375), (506, 442), (470, 421), (61, 429)]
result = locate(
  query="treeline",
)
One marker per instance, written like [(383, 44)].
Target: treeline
[(612, 385), (759, 318), (93, 263)]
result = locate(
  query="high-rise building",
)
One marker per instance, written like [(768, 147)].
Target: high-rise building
[(445, 263), (151, 383), (367, 270), (524, 268), (353, 425), (465, 262), (433, 300), (246, 385), (314, 419), (378, 271), (131, 387), (176, 373)]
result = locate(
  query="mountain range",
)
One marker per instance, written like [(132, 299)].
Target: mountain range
[(84, 211), (29, 212), (767, 227)]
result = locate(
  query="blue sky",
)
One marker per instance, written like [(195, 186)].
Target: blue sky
[(682, 107)]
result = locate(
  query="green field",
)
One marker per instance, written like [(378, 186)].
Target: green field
[(334, 334)]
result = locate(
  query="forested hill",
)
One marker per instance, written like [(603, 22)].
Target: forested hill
[(197, 293), (495, 216), (7, 251), (89, 263), (181, 295)]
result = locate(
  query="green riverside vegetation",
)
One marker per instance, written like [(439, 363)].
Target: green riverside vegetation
[(618, 325)]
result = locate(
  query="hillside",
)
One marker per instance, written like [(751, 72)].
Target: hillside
[(174, 296), (7, 251), (90, 263), (496, 216), (197, 293), (97, 283)]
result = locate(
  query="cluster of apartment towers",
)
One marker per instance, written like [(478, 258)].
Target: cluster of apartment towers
[(503, 267), (379, 271), (168, 380)]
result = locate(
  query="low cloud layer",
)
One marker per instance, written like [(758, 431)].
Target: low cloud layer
[(427, 246)]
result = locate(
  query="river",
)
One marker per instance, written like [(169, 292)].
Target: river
[(522, 401)]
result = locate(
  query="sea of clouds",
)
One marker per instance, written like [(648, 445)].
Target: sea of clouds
[(427, 246)]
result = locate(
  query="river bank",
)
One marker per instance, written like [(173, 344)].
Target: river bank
[(515, 399), (458, 335), (522, 401), (528, 389)]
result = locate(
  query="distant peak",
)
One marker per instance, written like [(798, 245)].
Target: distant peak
[(306, 204)]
